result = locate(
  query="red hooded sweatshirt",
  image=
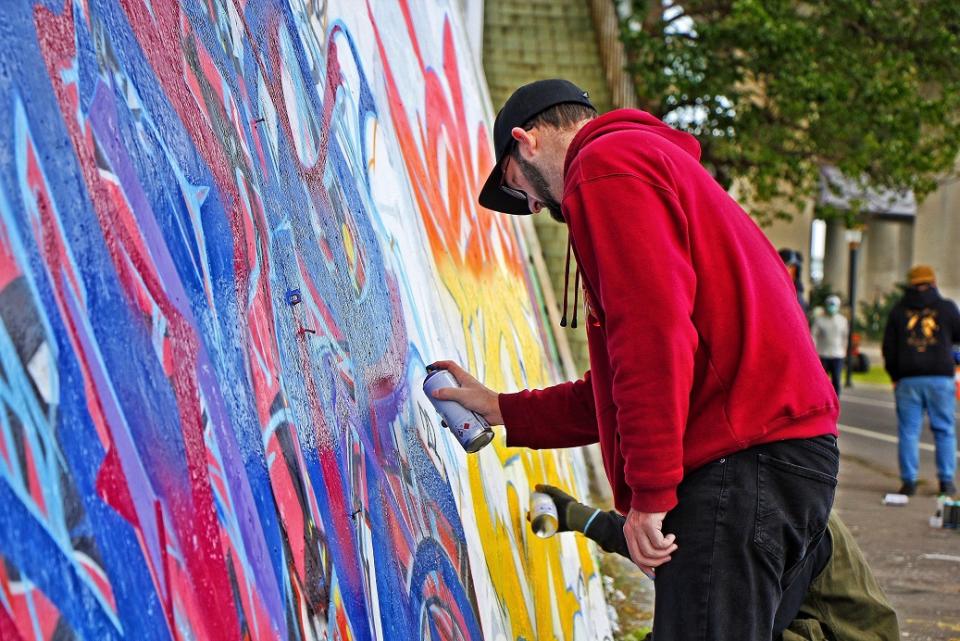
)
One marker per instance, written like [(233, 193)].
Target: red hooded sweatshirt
[(698, 347)]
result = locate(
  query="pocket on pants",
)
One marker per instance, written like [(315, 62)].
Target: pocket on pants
[(793, 505)]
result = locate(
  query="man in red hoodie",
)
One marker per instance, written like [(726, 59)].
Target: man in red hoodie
[(715, 421)]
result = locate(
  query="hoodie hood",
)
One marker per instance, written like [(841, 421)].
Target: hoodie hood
[(621, 120), (914, 298)]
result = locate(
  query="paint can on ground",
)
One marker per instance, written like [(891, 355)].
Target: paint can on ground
[(937, 519), (896, 500), (951, 515), (543, 515), (471, 429)]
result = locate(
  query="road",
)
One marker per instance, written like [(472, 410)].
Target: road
[(918, 566), (868, 426)]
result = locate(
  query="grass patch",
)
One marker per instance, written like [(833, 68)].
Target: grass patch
[(875, 376)]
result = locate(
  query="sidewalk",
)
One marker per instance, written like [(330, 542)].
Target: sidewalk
[(917, 566)]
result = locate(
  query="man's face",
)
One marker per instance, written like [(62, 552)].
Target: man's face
[(522, 178)]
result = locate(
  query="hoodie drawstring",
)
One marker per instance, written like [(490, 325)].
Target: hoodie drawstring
[(566, 289), (566, 286), (576, 297)]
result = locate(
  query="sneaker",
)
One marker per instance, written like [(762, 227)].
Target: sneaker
[(909, 488), (947, 488)]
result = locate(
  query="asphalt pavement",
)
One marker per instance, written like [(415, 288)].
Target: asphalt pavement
[(868, 427)]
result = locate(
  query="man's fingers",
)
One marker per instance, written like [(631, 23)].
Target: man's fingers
[(641, 559), (652, 562), (657, 539), (463, 376), (650, 552), (637, 546), (450, 394), (653, 545)]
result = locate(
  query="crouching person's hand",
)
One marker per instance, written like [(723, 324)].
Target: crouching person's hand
[(472, 394)]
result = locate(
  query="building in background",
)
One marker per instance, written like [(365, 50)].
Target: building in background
[(525, 40)]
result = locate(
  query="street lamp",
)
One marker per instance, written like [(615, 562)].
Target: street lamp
[(854, 237)]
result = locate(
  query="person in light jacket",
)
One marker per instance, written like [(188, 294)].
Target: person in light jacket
[(830, 333)]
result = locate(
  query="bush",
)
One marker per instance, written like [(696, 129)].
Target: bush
[(873, 314)]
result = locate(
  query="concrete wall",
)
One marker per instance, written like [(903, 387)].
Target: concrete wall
[(471, 16), (190, 448), (527, 40), (890, 246), (936, 237), (885, 255)]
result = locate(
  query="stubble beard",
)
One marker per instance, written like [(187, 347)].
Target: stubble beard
[(533, 174)]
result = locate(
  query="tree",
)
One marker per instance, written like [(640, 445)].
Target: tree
[(774, 89)]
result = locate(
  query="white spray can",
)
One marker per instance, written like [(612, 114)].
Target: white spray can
[(470, 428)]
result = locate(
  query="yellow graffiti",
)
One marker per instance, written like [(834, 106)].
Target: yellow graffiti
[(480, 264), (496, 317), (525, 571), (521, 566)]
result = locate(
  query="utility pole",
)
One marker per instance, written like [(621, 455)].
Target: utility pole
[(854, 238)]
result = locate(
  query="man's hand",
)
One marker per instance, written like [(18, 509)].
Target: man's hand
[(648, 546), (472, 394)]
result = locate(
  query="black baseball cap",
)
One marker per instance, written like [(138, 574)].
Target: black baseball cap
[(525, 103)]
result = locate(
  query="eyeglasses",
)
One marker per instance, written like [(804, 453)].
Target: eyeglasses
[(516, 193)]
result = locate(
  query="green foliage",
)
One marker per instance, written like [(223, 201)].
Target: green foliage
[(773, 89), (873, 314)]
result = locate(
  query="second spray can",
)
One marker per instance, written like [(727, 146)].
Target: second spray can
[(543, 515)]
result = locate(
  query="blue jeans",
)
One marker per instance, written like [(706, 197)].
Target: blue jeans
[(936, 395)]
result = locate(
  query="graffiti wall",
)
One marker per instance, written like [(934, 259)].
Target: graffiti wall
[(232, 232)]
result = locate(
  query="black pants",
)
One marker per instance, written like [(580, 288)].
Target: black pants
[(746, 527), (833, 367), (606, 529)]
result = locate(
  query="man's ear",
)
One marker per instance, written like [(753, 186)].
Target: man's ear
[(527, 142)]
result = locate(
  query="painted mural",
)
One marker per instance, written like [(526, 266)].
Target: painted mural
[(232, 232)]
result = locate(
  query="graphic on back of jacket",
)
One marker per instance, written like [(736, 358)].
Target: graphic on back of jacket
[(922, 328), (921, 331)]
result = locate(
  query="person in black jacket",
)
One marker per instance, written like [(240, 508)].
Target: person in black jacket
[(918, 345)]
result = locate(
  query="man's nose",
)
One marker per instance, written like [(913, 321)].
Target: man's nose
[(534, 204)]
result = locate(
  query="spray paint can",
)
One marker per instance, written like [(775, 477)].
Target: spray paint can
[(471, 429), (937, 519), (543, 515), (951, 515)]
